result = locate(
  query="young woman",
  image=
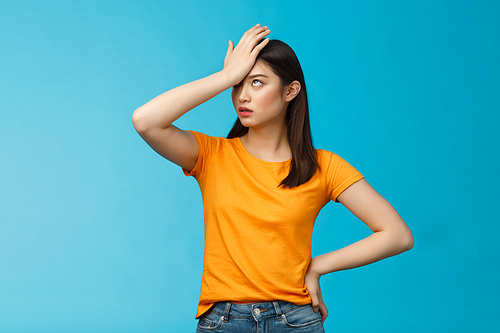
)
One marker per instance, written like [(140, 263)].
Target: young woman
[(262, 190)]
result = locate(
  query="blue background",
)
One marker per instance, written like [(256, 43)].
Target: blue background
[(100, 234)]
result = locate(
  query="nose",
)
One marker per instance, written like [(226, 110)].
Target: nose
[(243, 95)]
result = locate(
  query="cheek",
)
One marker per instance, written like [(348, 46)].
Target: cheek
[(271, 97), (233, 98)]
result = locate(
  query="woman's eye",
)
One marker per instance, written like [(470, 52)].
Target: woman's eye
[(237, 86), (256, 82)]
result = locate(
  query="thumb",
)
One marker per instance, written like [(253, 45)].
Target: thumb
[(230, 48)]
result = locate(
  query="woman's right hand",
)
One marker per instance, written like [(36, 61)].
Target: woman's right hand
[(240, 59)]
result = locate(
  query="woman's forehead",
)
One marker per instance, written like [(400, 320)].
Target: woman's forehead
[(261, 67)]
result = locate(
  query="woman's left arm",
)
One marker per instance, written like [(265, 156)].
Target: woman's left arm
[(391, 236)]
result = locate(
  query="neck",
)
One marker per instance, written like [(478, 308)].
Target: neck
[(268, 144)]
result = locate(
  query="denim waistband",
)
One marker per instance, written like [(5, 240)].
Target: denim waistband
[(253, 310)]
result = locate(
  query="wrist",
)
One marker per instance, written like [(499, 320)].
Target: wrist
[(229, 77), (313, 268)]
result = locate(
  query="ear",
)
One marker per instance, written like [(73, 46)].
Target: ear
[(292, 90)]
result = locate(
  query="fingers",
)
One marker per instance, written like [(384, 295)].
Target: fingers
[(260, 46), (258, 34), (319, 305), (323, 310), (252, 37), (240, 58), (249, 31), (314, 302)]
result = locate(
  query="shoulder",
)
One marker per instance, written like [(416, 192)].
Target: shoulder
[(326, 157), (208, 147), (330, 162), (205, 140), (203, 136), (337, 172)]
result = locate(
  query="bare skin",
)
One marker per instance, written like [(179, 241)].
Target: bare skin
[(257, 88), (262, 92), (153, 121)]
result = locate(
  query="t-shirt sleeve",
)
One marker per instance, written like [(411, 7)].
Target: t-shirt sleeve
[(339, 175), (207, 146)]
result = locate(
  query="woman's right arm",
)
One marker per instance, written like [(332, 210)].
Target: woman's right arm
[(153, 121)]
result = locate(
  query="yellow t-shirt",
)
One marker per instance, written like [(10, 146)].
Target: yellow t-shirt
[(258, 235)]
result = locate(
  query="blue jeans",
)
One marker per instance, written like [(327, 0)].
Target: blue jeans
[(274, 317)]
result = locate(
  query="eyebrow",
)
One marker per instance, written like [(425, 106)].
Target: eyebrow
[(256, 75)]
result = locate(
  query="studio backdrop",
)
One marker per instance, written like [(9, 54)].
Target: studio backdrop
[(98, 233)]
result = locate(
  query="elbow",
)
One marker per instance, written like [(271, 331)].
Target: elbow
[(406, 241), (138, 121), (399, 240)]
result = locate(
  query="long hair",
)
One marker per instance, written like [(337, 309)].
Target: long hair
[(284, 63)]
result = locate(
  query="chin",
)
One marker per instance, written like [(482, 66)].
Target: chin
[(245, 122)]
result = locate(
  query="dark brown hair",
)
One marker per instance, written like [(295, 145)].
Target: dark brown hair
[(284, 63)]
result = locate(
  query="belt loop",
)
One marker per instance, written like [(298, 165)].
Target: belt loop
[(278, 310), (226, 312)]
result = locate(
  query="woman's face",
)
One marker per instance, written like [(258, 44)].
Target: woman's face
[(259, 100)]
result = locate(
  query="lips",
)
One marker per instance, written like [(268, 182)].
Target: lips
[(244, 109)]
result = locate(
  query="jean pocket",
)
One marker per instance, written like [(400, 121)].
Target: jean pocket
[(302, 316), (210, 321)]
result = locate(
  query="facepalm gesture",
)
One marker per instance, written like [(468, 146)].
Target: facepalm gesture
[(240, 59)]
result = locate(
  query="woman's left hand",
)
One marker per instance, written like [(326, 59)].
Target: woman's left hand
[(312, 284)]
